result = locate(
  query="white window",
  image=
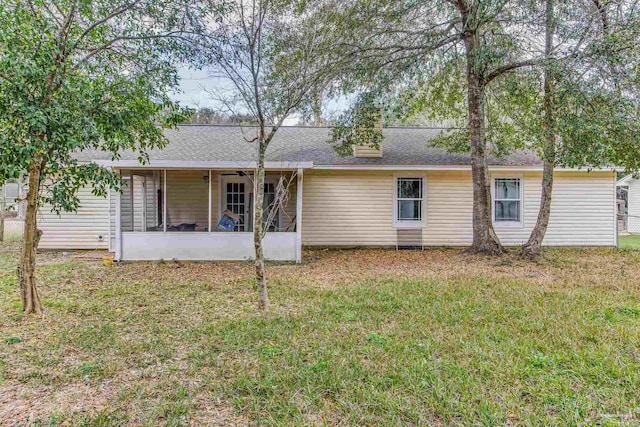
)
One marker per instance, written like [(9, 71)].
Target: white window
[(507, 200), (409, 201), (11, 191)]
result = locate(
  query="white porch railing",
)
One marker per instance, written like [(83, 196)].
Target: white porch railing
[(202, 246)]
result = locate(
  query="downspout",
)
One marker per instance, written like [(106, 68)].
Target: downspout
[(118, 248), (299, 216)]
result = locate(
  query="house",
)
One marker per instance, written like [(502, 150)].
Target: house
[(408, 193), (631, 186), (11, 192)]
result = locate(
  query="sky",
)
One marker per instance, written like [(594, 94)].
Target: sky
[(193, 93), (192, 86)]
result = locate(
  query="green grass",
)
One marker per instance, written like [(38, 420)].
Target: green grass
[(353, 338), (629, 242)]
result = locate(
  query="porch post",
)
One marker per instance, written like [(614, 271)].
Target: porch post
[(164, 202), (133, 216), (209, 205), (299, 217), (118, 230), (110, 236), (144, 202)]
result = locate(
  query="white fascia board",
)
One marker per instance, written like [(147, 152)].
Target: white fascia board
[(188, 164), (625, 180), (534, 168)]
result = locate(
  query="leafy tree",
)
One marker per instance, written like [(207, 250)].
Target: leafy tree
[(579, 104), (478, 67), (74, 76), (533, 245), (401, 46), (271, 65)]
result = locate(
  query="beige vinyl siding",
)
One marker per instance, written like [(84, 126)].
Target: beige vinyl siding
[(289, 211), (634, 206), (355, 208), (126, 207), (288, 214), (215, 201), (187, 197), (79, 230), (145, 200), (367, 151), (348, 208), (449, 209), (152, 185), (138, 202), (112, 219), (582, 210)]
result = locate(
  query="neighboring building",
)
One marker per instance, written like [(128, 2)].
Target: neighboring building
[(11, 195), (406, 194), (631, 186)]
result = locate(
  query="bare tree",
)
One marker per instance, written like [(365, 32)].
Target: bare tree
[(270, 66)]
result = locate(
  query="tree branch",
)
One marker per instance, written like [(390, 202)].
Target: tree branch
[(511, 67), (118, 11), (96, 50)]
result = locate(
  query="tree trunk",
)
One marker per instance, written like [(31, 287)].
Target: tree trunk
[(258, 191), (485, 240), (316, 107), (27, 267), (2, 212), (533, 247)]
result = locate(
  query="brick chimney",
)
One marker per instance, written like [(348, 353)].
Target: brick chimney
[(369, 151)]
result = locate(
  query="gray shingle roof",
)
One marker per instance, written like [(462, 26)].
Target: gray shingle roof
[(401, 146)]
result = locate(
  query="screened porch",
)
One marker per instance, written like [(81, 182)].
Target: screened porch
[(205, 214)]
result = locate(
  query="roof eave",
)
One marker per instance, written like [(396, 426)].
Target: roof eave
[(291, 165), (189, 164), (624, 180), (534, 168)]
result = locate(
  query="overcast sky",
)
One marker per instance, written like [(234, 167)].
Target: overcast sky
[(193, 85)]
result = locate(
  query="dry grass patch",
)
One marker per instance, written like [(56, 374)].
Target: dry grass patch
[(355, 337)]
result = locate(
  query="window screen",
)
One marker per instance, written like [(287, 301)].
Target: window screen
[(507, 199), (409, 199)]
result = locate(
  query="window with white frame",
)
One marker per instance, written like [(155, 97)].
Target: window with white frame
[(507, 201), (409, 200)]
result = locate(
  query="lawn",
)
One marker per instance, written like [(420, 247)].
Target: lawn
[(629, 242), (368, 337)]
